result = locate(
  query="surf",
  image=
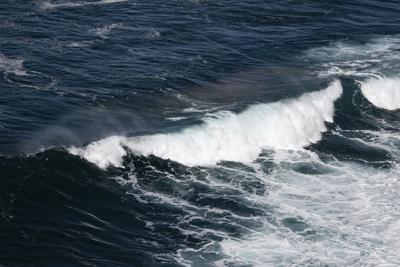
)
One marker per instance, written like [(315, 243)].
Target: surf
[(225, 136), (382, 92)]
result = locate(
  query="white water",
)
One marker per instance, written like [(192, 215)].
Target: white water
[(143, 32), (375, 65), (45, 5), (383, 92), (349, 214), (104, 31), (9, 65), (289, 125), (103, 153), (372, 59)]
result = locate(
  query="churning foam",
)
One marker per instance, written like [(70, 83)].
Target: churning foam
[(382, 92), (289, 124), (347, 215)]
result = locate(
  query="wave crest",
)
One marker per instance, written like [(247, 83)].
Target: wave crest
[(288, 124), (382, 92)]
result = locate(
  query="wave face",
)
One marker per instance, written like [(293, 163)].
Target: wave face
[(382, 92), (289, 124)]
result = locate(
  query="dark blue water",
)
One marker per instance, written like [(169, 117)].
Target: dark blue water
[(199, 133)]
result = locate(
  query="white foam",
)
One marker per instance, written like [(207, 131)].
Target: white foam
[(382, 92), (112, 1), (104, 31), (176, 118), (288, 124), (14, 66), (45, 5), (371, 59), (79, 44), (104, 153), (350, 211)]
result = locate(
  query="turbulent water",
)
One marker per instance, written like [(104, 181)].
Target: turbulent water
[(199, 133)]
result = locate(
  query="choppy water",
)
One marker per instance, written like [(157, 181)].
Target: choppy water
[(199, 133)]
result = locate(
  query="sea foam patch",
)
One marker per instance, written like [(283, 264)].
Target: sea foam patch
[(10, 65)]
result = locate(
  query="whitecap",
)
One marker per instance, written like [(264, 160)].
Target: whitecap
[(382, 92), (226, 136), (346, 215), (371, 59), (14, 66)]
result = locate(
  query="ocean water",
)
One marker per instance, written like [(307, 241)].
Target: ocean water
[(199, 133)]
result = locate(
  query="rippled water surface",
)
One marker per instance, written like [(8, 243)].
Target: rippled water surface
[(199, 133)]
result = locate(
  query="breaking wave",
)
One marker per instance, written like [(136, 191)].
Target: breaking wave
[(226, 136), (382, 92)]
